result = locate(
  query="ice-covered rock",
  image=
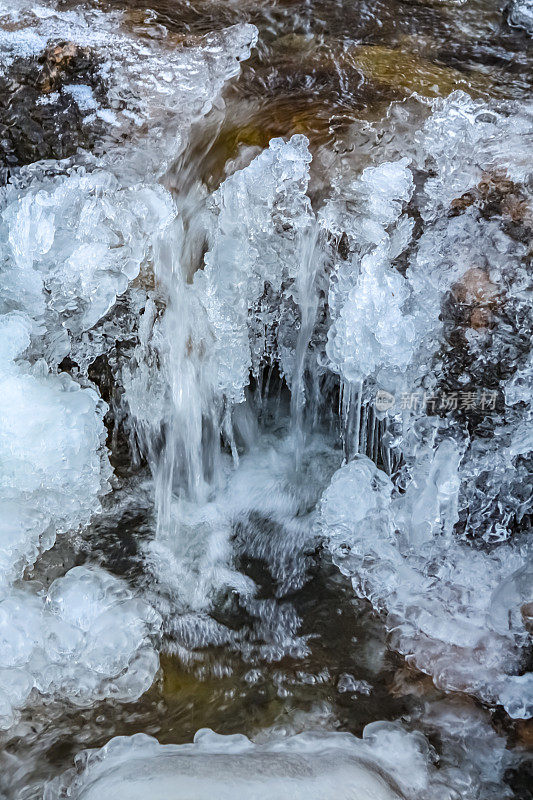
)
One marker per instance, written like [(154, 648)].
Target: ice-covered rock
[(463, 139), (54, 465), (386, 764), (143, 80), (520, 13), (89, 637), (442, 548), (437, 595)]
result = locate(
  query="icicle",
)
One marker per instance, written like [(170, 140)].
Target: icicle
[(306, 296)]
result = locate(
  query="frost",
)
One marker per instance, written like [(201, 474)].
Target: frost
[(82, 95)]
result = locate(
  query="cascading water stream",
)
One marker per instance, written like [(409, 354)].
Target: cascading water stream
[(305, 295)]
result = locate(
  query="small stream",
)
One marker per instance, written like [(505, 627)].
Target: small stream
[(266, 380)]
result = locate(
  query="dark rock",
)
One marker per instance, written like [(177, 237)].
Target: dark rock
[(38, 120)]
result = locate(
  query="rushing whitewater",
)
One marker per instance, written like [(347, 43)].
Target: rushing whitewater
[(314, 366)]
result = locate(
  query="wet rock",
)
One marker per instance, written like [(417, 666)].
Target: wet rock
[(61, 63), (527, 616), (410, 682), (496, 195), (41, 114), (477, 295)]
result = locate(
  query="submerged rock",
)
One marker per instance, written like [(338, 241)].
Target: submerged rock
[(496, 195), (406, 71), (477, 295)]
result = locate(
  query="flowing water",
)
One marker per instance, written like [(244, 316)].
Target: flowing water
[(265, 436)]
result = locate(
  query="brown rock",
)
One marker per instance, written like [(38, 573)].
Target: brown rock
[(527, 615), (496, 195), (524, 733), (57, 60), (479, 295)]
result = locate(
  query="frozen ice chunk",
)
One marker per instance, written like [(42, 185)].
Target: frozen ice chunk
[(386, 764), (370, 326), (521, 14), (52, 448), (78, 241), (436, 592), (347, 683), (262, 213), (88, 638), (372, 329)]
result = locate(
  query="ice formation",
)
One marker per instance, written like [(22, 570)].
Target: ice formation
[(73, 244), (435, 548), (386, 764), (409, 279), (51, 448), (205, 344), (87, 638), (366, 298), (263, 213), (457, 496), (521, 14), (438, 616), (75, 235)]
